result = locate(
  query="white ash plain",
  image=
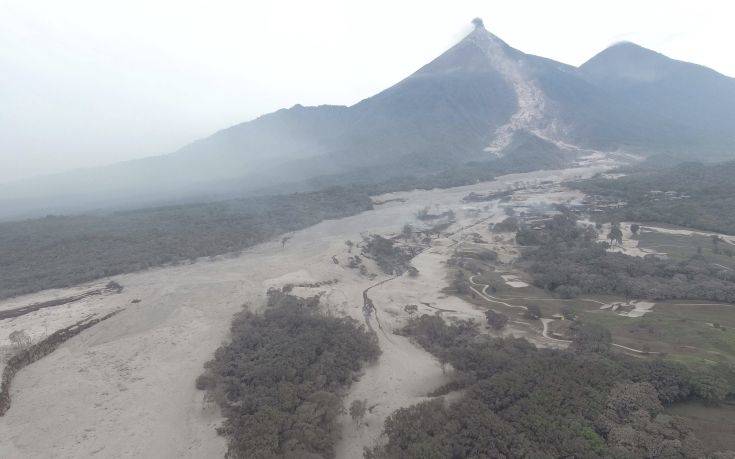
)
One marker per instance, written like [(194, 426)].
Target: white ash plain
[(125, 387)]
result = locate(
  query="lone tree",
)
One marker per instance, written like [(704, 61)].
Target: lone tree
[(634, 228), (19, 338), (357, 411), (716, 243), (496, 320), (411, 309), (407, 231), (616, 234)]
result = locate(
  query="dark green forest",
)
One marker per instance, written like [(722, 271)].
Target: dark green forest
[(60, 251), (567, 259), (693, 195), (280, 380), (520, 401)]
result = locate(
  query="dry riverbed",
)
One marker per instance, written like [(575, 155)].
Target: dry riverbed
[(125, 387)]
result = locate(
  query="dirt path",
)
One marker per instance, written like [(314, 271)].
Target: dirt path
[(637, 351), (487, 297), (545, 331)]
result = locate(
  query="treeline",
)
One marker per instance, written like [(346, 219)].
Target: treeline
[(699, 196), (567, 259), (34, 352), (279, 381), (111, 287), (520, 401), (60, 251)]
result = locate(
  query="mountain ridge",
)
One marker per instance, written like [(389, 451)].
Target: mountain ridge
[(465, 105)]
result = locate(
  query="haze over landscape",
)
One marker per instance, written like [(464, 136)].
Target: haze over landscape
[(87, 74), (327, 230)]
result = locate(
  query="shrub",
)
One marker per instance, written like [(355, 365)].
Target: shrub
[(496, 320)]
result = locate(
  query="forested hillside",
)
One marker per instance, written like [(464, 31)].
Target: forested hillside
[(59, 251), (567, 258), (694, 195), (520, 401)]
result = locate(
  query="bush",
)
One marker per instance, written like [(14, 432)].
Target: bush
[(533, 312), (509, 225), (568, 291), (496, 320), (590, 337)]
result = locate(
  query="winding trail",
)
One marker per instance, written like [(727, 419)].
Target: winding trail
[(545, 332), (545, 321), (487, 297), (637, 351)]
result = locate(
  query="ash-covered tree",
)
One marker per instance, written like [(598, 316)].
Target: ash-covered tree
[(358, 408), (20, 339), (615, 236), (496, 320), (407, 231)]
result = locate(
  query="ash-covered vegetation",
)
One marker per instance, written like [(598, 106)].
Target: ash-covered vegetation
[(567, 258), (60, 251), (29, 353), (391, 257), (279, 382), (520, 401), (693, 195)]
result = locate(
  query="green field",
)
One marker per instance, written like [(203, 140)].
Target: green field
[(691, 332), (682, 247), (695, 333), (683, 333), (713, 425)]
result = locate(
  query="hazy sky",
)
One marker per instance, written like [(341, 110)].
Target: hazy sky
[(86, 83)]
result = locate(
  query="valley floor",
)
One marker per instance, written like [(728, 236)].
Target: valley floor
[(125, 387)]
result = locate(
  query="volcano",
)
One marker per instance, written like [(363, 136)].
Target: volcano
[(481, 100)]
